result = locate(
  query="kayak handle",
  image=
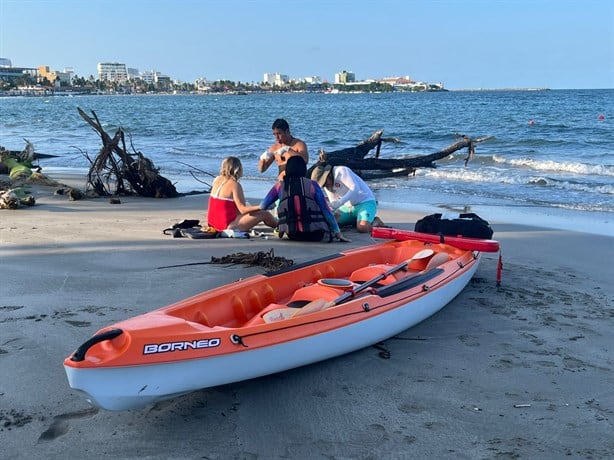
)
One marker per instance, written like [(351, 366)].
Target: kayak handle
[(79, 355)]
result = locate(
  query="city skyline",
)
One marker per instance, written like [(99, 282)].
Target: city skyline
[(125, 73), (472, 44)]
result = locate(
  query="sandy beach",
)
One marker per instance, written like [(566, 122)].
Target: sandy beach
[(524, 370)]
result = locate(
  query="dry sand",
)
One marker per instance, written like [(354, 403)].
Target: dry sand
[(524, 370)]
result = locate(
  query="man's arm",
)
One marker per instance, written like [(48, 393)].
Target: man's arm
[(269, 157), (340, 175), (300, 148), (265, 161)]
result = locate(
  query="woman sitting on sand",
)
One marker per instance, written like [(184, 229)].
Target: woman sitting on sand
[(227, 207)]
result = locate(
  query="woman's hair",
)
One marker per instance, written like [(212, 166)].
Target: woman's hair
[(231, 167), (296, 167)]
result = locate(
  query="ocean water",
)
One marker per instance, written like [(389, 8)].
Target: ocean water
[(549, 161)]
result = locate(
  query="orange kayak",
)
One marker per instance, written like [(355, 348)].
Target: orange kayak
[(270, 323)]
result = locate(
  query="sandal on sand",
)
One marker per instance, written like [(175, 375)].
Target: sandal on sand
[(341, 239)]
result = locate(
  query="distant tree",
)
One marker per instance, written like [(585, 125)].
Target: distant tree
[(45, 82), (5, 85), (79, 81), (25, 80)]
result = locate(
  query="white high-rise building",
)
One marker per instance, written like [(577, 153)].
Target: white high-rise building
[(275, 79), (112, 71)]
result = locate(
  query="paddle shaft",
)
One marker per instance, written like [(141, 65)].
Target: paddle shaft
[(348, 294), (418, 255)]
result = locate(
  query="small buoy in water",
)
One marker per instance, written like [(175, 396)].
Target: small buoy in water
[(531, 122), (601, 117)]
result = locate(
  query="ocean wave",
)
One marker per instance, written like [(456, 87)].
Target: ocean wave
[(499, 176), (556, 166)]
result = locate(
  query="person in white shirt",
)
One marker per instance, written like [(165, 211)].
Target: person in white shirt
[(350, 197)]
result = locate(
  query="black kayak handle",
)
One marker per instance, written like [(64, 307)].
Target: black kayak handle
[(79, 355)]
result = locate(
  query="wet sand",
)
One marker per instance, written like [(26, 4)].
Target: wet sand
[(524, 370)]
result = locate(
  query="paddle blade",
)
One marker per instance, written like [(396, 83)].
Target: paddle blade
[(278, 314), (437, 260), (313, 306), (422, 254)]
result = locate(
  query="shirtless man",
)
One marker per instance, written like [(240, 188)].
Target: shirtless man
[(286, 146)]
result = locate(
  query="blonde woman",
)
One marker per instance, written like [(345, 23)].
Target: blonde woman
[(227, 206)]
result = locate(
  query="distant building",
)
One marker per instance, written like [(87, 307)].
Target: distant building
[(70, 71), (314, 80), (133, 73), (112, 71), (202, 84), (275, 79), (345, 77), (147, 76), (154, 77), (397, 81), (162, 80), (8, 72), (55, 77)]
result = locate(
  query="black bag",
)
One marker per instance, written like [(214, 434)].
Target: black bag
[(176, 229), (468, 225)]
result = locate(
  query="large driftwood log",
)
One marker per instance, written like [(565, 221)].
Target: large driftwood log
[(114, 166), (375, 167)]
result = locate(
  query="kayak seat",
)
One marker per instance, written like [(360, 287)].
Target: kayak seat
[(311, 292), (248, 305), (299, 299), (238, 309), (364, 274), (231, 316), (200, 318), (235, 313), (258, 318)]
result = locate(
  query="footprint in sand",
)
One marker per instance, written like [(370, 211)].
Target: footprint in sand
[(469, 340), (60, 425), (79, 323)]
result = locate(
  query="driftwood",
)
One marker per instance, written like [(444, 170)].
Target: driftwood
[(129, 173), (375, 167)]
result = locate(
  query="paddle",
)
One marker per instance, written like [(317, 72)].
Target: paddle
[(321, 304), (437, 260)]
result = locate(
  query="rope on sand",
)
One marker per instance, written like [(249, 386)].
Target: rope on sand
[(267, 260)]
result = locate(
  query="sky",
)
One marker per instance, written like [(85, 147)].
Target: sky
[(465, 44)]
